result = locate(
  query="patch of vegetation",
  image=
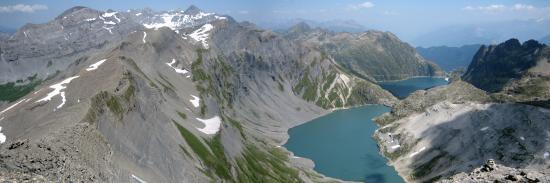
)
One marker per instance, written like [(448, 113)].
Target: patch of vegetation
[(236, 124), (328, 81), (11, 91), (215, 161), (309, 87), (323, 102), (281, 87), (203, 107), (130, 92), (196, 69), (182, 115), (186, 152), (259, 166), (114, 106)]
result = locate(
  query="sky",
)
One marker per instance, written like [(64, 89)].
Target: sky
[(406, 18)]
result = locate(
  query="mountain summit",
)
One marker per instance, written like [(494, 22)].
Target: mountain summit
[(192, 10)]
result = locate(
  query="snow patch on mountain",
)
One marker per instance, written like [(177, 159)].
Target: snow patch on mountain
[(211, 126), (95, 65), (58, 89), (180, 71), (2, 136), (109, 29), (144, 36), (195, 101), (174, 20), (201, 34), (109, 14), (110, 23)]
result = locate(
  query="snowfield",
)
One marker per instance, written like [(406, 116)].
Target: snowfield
[(95, 65), (58, 90), (144, 36), (109, 14), (138, 179), (181, 71), (176, 20), (211, 126), (201, 34), (2, 136), (195, 101)]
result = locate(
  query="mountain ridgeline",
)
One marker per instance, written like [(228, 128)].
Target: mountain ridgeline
[(373, 55), (140, 95), (496, 67)]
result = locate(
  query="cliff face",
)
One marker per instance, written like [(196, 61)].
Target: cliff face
[(495, 66)]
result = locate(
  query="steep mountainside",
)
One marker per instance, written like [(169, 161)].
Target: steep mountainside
[(493, 67), (163, 97), (373, 55), (435, 134), (449, 58)]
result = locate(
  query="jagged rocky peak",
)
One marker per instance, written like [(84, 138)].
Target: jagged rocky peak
[(495, 66)]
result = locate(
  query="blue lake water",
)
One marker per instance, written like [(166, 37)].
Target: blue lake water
[(402, 89), (341, 143)]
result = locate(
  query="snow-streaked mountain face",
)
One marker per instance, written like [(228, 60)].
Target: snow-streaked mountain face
[(54, 45), (176, 20)]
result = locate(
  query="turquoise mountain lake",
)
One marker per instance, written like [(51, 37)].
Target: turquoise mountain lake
[(402, 89), (341, 143)]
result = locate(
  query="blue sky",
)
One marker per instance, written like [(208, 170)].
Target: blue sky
[(406, 18)]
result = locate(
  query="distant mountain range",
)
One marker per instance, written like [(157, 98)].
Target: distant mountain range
[(488, 33), (331, 25), (449, 58)]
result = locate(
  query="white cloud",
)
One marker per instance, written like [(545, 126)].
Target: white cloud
[(495, 8), (523, 7), (364, 5), (489, 8), (24, 8)]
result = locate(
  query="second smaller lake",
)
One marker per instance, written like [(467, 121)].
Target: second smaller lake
[(401, 89)]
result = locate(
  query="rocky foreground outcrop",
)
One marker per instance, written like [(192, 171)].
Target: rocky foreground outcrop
[(493, 172)]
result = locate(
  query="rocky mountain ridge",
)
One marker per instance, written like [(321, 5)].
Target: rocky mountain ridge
[(434, 134), (373, 55)]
